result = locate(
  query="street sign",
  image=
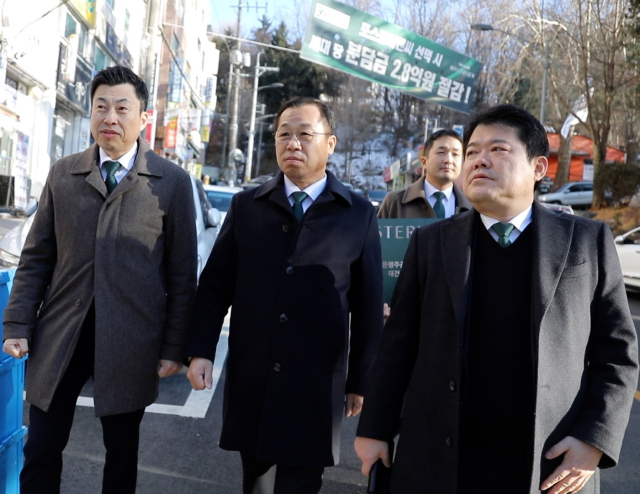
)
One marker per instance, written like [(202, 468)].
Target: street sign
[(365, 46), (394, 239)]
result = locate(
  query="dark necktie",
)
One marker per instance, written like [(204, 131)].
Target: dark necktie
[(438, 207), (298, 197), (110, 167), (503, 230)]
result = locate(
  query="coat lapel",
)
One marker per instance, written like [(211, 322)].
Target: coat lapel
[(552, 234), (456, 245), (145, 164)]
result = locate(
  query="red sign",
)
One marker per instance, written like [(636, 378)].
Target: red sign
[(147, 132), (171, 133)]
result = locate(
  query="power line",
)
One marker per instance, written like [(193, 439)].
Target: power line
[(175, 59), (243, 40)]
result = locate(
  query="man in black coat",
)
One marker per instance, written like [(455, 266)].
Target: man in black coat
[(510, 342), (299, 260)]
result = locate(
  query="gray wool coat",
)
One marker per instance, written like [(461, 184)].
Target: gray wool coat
[(585, 351), (132, 252)]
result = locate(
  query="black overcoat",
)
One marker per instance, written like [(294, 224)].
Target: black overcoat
[(307, 306), (585, 352)]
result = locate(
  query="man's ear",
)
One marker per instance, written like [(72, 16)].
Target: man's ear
[(541, 165), (332, 141), (144, 116)]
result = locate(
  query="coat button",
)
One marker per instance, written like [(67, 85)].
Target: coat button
[(283, 318), (452, 385), (78, 303), (449, 442), (289, 270), (285, 228), (277, 367)]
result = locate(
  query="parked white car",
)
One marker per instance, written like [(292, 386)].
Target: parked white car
[(570, 194), (628, 247), (207, 221), (220, 197)]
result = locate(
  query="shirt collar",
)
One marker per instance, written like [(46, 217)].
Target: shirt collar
[(126, 160), (313, 191), (429, 190), (520, 221)]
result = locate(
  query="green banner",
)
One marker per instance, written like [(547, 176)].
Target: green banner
[(394, 237), (360, 44)]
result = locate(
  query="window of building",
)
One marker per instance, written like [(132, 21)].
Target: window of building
[(100, 59)]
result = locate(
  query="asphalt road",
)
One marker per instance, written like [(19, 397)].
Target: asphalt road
[(179, 452)]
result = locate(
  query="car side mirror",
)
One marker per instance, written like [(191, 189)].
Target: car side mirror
[(213, 217), (619, 239), (32, 207)]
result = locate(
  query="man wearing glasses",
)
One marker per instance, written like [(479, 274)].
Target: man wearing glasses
[(299, 260)]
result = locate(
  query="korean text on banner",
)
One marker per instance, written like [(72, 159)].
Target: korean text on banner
[(347, 39)]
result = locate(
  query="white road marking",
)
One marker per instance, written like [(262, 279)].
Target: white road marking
[(198, 402)]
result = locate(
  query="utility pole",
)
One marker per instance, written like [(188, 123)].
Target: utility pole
[(235, 93), (254, 103), (152, 65), (234, 79)]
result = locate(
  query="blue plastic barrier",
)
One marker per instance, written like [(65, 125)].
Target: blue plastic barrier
[(11, 390)]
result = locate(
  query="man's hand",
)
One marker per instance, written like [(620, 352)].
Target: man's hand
[(353, 405), (369, 450), (16, 347), (386, 311), (577, 467), (168, 368), (200, 373)]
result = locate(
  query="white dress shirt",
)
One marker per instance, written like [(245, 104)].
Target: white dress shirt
[(313, 191), (126, 162), (520, 222), (448, 201)]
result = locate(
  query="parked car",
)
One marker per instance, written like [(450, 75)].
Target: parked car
[(256, 182), (628, 247), (207, 220), (544, 186), (220, 197), (377, 196), (558, 207), (571, 194)]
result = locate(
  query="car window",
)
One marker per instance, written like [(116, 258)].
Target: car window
[(219, 200), (574, 188), (587, 187), (633, 238)]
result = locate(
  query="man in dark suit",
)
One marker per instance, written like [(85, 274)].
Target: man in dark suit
[(105, 287), (510, 343), (434, 194), (299, 260)]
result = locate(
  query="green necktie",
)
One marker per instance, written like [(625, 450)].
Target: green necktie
[(503, 230), (110, 167), (438, 207), (298, 197)]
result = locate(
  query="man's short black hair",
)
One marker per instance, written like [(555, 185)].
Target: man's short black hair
[(437, 135), (113, 76), (528, 128), (325, 110)]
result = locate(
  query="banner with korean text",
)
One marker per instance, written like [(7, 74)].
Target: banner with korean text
[(347, 39)]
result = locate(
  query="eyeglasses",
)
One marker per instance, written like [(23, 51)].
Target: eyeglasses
[(305, 137)]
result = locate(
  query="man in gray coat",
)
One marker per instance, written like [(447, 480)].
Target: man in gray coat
[(105, 287), (510, 344)]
